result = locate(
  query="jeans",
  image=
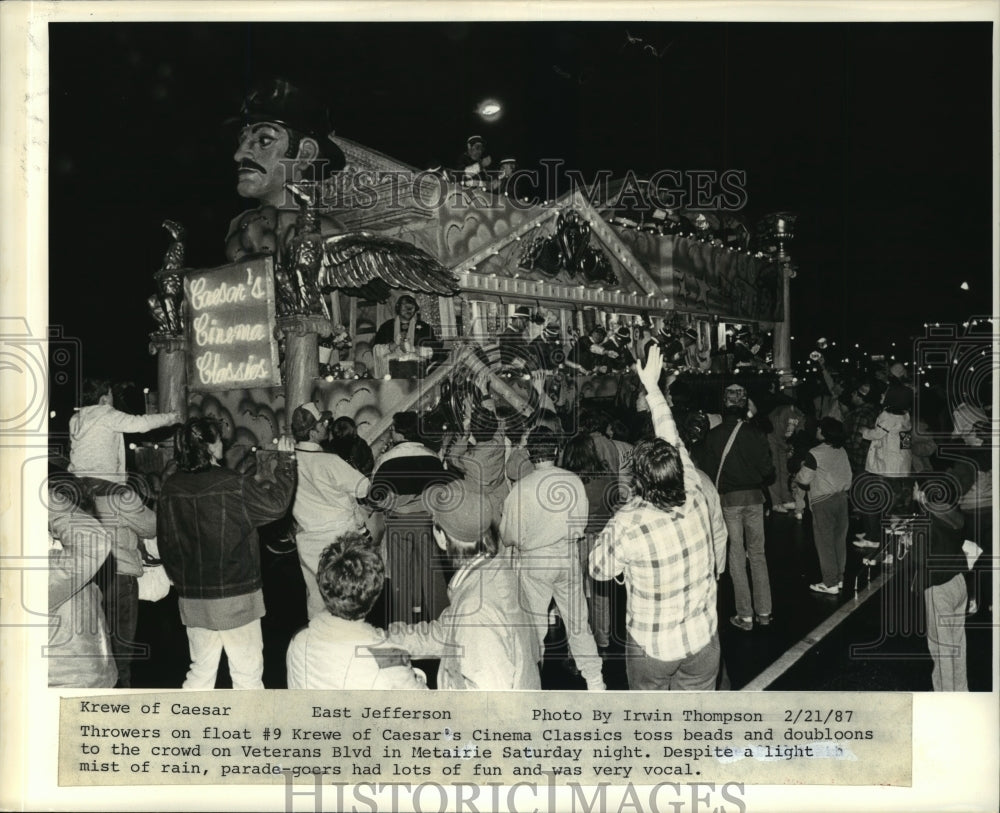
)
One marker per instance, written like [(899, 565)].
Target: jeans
[(121, 611), (554, 574), (829, 521), (745, 524), (244, 648), (696, 672), (946, 634)]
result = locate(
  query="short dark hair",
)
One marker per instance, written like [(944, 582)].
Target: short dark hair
[(406, 298), (344, 427), (833, 432), (350, 576), (658, 475), (407, 424), (192, 442), (543, 444), (619, 429), (93, 390), (459, 551), (580, 457), (589, 420)]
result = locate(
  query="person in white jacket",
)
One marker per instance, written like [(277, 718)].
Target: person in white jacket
[(97, 455), (97, 433), (339, 649), (888, 467)]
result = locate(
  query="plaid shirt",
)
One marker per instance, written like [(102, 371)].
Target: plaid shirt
[(669, 560)]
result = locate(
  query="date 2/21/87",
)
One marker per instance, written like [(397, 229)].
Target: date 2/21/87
[(818, 716)]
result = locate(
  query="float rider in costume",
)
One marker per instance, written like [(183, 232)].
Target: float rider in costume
[(283, 140)]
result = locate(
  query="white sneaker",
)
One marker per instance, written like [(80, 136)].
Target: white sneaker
[(819, 587)]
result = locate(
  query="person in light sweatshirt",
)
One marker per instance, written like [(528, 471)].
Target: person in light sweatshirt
[(97, 433), (826, 472)]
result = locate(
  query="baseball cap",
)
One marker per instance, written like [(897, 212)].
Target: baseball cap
[(306, 416), (462, 513)]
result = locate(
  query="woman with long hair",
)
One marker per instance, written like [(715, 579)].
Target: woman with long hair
[(207, 535)]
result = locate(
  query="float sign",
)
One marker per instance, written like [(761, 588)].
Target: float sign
[(230, 311)]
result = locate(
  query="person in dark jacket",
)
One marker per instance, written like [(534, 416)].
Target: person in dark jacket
[(514, 342), (417, 587), (207, 536), (616, 350), (405, 337), (740, 476), (940, 566), (345, 441)]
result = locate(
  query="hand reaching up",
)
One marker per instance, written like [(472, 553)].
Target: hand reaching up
[(649, 374)]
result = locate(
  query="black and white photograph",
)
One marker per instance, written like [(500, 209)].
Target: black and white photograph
[(621, 356)]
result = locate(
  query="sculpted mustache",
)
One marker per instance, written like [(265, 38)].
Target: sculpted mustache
[(247, 164)]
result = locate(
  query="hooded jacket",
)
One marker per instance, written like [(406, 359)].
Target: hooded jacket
[(889, 453)]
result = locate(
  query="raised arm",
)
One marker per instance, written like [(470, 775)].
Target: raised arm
[(137, 424), (663, 419), (266, 501)]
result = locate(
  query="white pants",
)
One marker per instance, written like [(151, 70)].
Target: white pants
[(244, 648)]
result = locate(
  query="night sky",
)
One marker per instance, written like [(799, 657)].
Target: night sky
[(877, 135)]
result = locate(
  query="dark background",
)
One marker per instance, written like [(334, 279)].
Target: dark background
[(878, 135)]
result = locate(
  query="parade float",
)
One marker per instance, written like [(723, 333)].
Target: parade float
[(249, 341)]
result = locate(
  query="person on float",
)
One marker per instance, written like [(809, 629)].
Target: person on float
[(284, 139), (207, 521), (588, 356), (339, 649), (327, 499), (616, 350), (548, 352), (513, 339), (484, 638), (507, 179), (695, 358), (405, 337), (474, 165)]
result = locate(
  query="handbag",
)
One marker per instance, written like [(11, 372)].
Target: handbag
[(153, 583)]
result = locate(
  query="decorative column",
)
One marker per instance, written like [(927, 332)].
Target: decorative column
[(781, 230), (301, 334), (171, 372)]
